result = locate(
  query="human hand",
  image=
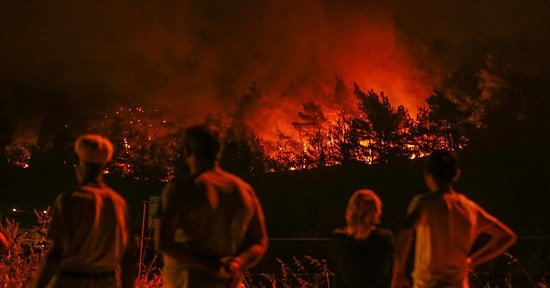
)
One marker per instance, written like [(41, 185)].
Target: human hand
[(469, 265), (230, 269), (233, 264)]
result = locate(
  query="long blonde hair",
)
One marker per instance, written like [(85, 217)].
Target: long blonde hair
[(364, 210)]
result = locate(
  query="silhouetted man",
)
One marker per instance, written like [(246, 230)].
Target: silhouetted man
[(89, 228), (211, 225)]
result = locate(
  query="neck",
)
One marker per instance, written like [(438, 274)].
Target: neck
[(361, 233), (201, 167), (445, 189), (91, 179)]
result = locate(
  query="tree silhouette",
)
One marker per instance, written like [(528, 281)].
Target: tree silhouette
[(314, 134), (383, 129), (141, 151), (244, 152), (288, 153), (442, 124)]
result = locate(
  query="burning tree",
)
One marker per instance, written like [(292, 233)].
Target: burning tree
[(380, 128), (145, 143), (314, 134), (334, 128), (287, 155)]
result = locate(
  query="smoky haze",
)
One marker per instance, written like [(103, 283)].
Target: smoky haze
[(189, 58)]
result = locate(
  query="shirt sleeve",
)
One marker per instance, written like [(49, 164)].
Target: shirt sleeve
[(413, 212), (414, 205)]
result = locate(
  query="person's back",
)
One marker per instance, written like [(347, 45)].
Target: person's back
[(91, 228), (361, 252), (232, 203), (447, 228), (216, 210), (210, 226), (362, 263), (446, 224)]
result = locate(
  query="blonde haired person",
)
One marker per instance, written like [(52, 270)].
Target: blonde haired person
[(89, 228), (362, 252)]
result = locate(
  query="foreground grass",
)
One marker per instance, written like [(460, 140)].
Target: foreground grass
[(26, 248)]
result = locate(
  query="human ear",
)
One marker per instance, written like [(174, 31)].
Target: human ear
[(457, 175)]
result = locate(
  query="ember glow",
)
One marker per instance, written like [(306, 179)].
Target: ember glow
[(145, 70)]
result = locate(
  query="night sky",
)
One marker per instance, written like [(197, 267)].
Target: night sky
[(189, 58)]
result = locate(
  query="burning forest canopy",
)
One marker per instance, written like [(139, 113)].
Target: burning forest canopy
[(294, 85), (343, 125)]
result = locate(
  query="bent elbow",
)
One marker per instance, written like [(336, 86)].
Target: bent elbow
[(513, 238)]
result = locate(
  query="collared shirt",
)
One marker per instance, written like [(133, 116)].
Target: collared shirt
[(91, 228), (448, 226), (213, 213)]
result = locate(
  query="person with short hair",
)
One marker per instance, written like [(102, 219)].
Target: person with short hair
[(210, 227), (446, 224), (90, 228)]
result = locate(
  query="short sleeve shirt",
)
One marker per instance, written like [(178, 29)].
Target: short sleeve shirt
[(212, 213), (91, 228)]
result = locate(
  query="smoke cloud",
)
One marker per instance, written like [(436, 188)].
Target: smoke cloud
[(191, 58)]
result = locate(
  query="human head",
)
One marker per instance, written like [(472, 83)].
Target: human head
[(364, 209), (202, 144), (441, 170), (93, 152)]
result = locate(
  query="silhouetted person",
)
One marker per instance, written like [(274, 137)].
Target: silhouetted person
[(211, 226), (89, 228), (361, 252), (446, 224)]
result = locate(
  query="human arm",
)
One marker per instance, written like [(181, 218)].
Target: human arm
[(501, 238), (256, 241), (400, 278), (129, 262), (165, 236), (403, 244)]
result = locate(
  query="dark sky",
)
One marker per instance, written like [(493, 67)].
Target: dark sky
[(193, 57)]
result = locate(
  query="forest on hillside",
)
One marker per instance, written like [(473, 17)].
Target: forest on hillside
[(494, 117), (486, 107)]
